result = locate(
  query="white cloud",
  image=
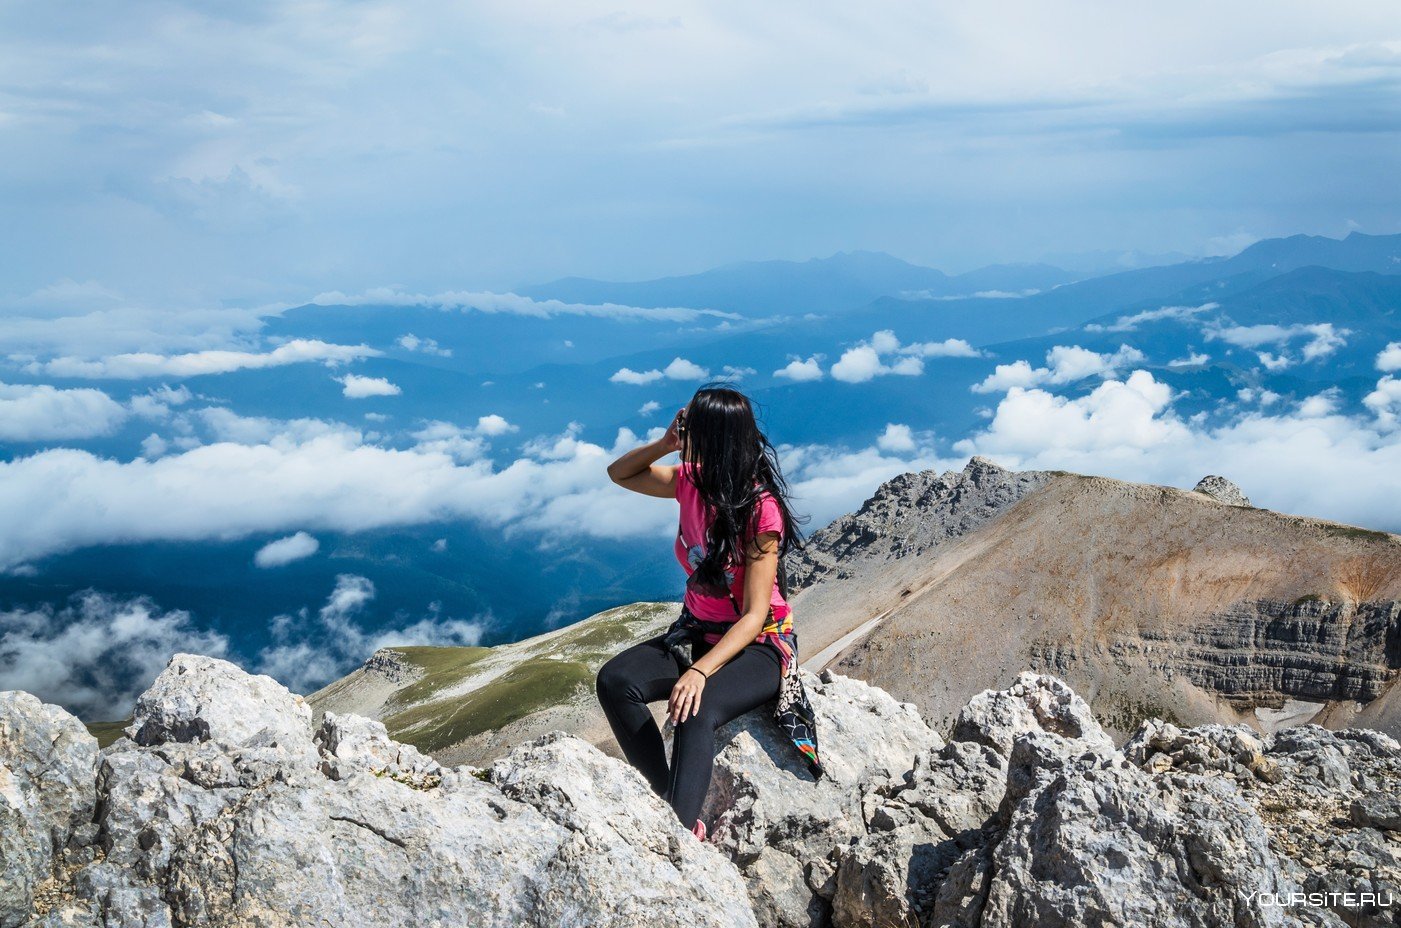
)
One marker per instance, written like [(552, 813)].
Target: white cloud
[(156, 403), (359, 387), (638, 378), (411, 342), (865, 360), (153, 446), (682, 369), (53, 323), (883, 354), (896, 438), (97, 654), (948, 348), (286, 550), (306, 475), (193, 364), (1385, 402), (1320, 404), (1389, 359), (308, 653), (678, 369), (1131, 322), (649, 407), (1065, 364), (463, 444), (494, 425), (731, 372), (858, 365), (1257, 395), (514, 304), (1006, 376), (40, 412), (1193, 359), (225, 425), (1116, 414), (800, 371), (1128, 429), (1321, 340)]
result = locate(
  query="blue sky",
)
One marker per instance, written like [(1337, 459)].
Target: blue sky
[(181, 155)]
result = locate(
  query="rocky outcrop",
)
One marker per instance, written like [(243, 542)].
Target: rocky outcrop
[(1026, 816), (231, 809), (1221, 490), (909, 515), (47, 765)]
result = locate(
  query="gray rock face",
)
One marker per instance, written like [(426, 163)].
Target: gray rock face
[(1312, 650), (1097, 842), (1219, 488), (47, 759), (1324, 798), (230, 812), (910, 514), (782, 828), (234, 812)]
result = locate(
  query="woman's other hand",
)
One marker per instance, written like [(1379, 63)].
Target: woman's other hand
[(685, 696)]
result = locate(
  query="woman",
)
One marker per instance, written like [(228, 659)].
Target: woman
[(733, 648)]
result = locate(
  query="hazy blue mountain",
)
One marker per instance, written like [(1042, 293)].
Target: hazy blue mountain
[(1356, 252), (821, 285)]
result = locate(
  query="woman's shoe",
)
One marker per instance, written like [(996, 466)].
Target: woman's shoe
[(699, 830)]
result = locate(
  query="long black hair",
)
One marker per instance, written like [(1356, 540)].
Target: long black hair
[(733, 466)]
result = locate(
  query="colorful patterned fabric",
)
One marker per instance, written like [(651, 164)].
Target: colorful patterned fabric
[(792, 712)]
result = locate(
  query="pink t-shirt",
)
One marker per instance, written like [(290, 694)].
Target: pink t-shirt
[(690, 549)]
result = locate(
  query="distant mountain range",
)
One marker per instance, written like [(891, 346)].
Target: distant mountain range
[(1285, 318), (822, 285)]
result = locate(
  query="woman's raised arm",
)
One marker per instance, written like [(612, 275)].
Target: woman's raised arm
[(638, 471)]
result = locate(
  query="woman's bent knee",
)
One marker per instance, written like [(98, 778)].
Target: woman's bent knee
[(612, 681)]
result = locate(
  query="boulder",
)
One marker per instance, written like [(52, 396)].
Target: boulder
[(352, 742), (1221, 490), (1034, 702), (197, 698), (47, 764), (625, 858), (783, 828)]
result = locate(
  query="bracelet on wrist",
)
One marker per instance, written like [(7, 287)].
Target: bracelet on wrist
[(699, 671)]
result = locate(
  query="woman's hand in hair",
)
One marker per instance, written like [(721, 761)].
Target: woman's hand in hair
[(685, 696), (672, 439), (638, 471)]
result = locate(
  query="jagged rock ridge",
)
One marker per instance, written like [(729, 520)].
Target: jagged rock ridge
[(226, 807), (910, 514)]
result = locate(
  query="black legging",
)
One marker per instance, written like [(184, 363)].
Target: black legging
[(645, 673)]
